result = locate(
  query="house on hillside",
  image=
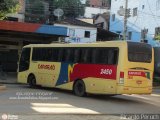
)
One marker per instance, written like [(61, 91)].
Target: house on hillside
[(102, 20), (143, 19), (78, 31)]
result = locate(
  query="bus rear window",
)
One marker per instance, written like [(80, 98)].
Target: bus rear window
[(139, 52)]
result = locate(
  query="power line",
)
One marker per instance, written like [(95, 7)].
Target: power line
[(149, 14), (133, 24), (152, 12)]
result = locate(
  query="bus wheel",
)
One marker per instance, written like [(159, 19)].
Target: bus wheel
[(79, 88), (32, 81)]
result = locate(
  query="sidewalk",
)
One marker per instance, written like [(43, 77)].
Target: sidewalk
[(156, 90), (8, 78)]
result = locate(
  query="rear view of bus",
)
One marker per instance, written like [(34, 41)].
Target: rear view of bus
[(136, 75)]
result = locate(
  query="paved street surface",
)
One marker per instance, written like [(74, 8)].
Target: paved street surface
[(25, 103)]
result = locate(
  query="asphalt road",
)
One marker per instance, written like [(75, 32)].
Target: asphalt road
[(24, 103)]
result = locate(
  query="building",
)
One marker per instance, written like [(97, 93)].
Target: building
[(20, 15), (94, 7), (99, 3), (102, 21), (14, 35), (83, 1), (91, 12), (143, 21), (78, 31), (37, 11)]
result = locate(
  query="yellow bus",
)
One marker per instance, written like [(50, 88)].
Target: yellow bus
[(113, 67)]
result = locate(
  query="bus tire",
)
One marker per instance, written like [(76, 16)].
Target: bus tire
[(79, 88), (32, 81)]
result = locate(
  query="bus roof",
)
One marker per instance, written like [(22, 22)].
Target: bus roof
[(106, 43)]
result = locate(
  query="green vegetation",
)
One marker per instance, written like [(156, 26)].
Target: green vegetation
[(157, 37), (71, 8), (37, 10), (8, 6)]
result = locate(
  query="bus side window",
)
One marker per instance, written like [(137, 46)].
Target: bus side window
[(112, 56), (43, 54), (68, 55), (77, 55), (60, 55), (49, 54), (55, 54), (103, 58), (34, 55), (37, 54), (116, 53), (95, 56), (106, 56), (86, 55), (25, 59)]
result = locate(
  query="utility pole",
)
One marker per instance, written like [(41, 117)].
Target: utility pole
[(51, 8), (125, 20)]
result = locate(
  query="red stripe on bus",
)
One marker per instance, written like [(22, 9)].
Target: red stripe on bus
[(81, 71)]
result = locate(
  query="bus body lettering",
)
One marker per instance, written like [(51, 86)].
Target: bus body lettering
[(106, 72), (46, 67)]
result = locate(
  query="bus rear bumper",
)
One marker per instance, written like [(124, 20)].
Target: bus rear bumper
[(134, 90)]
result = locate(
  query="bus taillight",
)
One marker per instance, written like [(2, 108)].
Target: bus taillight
[(121, 79)]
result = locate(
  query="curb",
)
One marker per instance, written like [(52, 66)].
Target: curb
[(157, 87), (8, 83), (2, 87)]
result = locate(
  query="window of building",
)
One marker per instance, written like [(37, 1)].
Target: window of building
[(87, 34), (143, 6), (104, 3), (113, 17), (121, 7), (93, 15), (135, 12), (129, 35), (158, 5), (72, 32)]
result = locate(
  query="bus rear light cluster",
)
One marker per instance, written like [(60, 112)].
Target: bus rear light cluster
[(121, 79)]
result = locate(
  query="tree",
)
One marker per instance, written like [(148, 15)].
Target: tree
[(157, 37), (35, 11), (87, 3), (8, 6), (71, 8)]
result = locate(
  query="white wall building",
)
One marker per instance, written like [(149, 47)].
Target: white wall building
[(83, 1), (102, 21), (80, 34), (20, 14), (145, 15), (90, 12)]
